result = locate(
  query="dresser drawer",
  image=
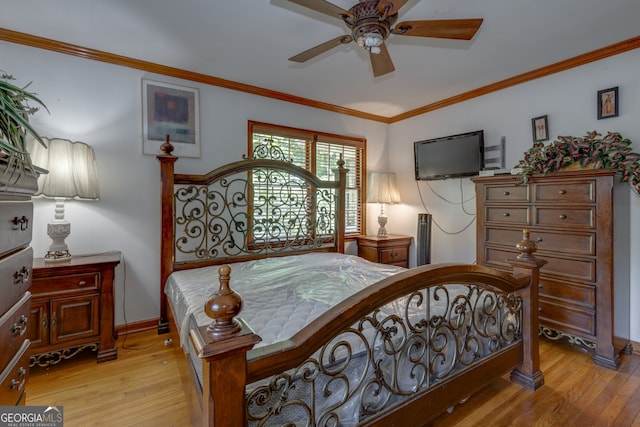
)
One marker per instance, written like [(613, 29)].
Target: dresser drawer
[(16, 220), (578, 269), (562, 242), (14, 378), (560, 216), (66, 283), (15, 277), (570, 192), (13, 329), (507, 215), (567, 319), (573, 293), (506, 193)]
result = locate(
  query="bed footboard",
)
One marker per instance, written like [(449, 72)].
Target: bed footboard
[(423, 340)]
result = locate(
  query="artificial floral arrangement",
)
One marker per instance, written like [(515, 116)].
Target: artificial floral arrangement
[(609, 152)]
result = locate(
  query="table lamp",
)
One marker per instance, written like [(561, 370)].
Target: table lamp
[(382, 189), (73, 174)]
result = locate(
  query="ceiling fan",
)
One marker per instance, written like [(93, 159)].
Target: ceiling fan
[(371, 21)]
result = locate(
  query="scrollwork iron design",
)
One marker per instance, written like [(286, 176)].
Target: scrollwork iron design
[(396, 351), (264, 211)]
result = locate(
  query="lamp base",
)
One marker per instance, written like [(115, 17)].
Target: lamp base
[(382, 221), (57, 256), (58, 230)]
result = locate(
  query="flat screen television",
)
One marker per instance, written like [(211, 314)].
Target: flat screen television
[(450, 156)]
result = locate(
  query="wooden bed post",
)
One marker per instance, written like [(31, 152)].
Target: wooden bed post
[(223, 347), (167, 239), (528, 374)]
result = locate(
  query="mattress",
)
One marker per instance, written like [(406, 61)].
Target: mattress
[(280, 295)]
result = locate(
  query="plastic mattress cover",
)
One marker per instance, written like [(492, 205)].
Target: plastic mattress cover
[(281, 295)]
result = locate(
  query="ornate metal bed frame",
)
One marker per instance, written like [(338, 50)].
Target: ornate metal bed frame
[(419, 359)]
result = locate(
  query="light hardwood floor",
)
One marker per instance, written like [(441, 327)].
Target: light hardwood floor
[(143, 388)]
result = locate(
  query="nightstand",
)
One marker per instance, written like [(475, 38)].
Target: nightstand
[(393, 249), (72, 308)]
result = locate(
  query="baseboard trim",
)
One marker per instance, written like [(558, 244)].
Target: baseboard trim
[(135, 327)]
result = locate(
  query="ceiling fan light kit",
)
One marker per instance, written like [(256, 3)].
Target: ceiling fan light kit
[(371, 22)]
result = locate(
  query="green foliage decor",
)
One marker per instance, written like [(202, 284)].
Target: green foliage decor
[(609, 152), (14, 123)]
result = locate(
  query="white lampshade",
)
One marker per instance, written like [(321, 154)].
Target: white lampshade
[(382, 188), (72, 174)]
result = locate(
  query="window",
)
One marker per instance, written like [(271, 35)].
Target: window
[(318, 153)]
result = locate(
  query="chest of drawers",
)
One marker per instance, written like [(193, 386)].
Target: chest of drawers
[(16, 219), (580, 223)]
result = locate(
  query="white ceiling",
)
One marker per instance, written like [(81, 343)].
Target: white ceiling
[(249, 41)]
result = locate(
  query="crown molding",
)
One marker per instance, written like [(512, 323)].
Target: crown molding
[(98, 55)]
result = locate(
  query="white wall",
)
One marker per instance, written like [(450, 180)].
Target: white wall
[(569, 100), (100, 104)]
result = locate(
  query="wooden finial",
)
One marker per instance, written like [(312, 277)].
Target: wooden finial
[(222, 307), (167, 147), (526, 247)]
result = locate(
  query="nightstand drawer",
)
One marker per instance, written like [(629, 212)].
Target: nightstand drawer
[(393, 256), (67, 283)]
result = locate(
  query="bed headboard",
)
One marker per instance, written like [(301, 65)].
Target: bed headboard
[(261, 206)]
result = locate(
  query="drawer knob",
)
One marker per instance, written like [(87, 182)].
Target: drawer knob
[(18, 329), (82, 283), (506, 193), (562, 192), (21, 223), (563, 216), (539, 239), (506, 214), (21, 276)]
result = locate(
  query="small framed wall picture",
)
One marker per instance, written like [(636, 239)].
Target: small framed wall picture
[(608, 103), (540, 128), (172, 110)]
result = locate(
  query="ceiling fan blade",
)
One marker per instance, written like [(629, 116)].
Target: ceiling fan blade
[(321, 48), (393, 5), (381, 62), (462, 29), (324, 7)]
